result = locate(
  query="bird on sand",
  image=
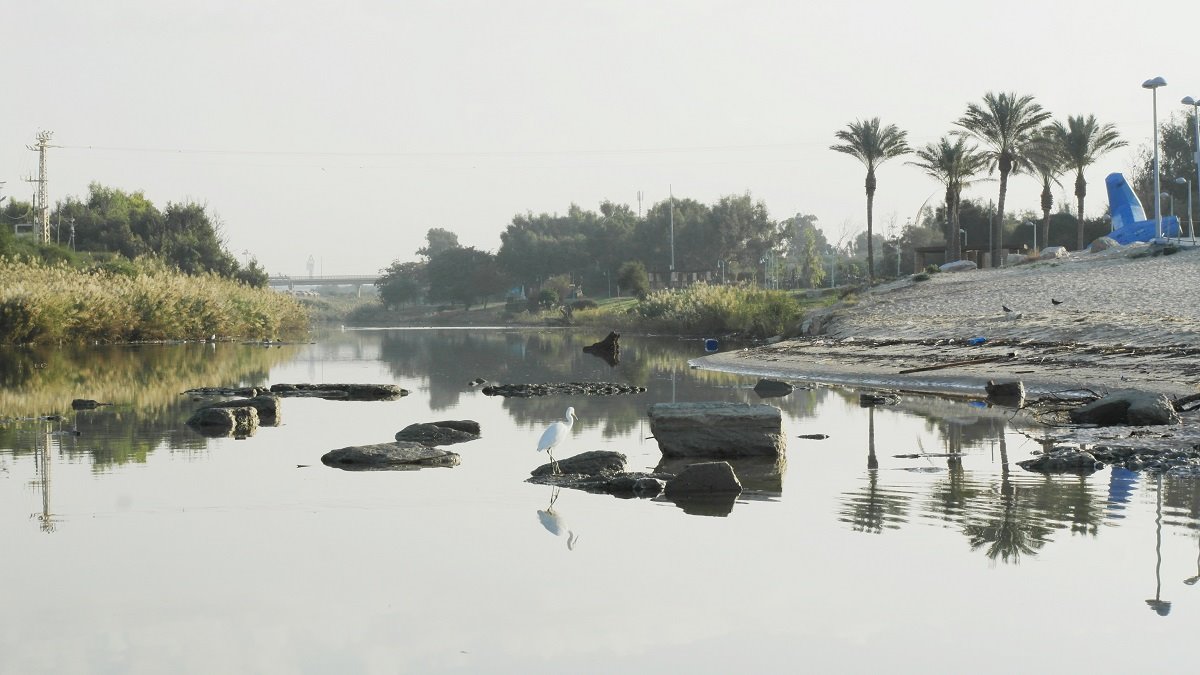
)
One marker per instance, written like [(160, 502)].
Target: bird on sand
[(1006, 309), (1055, 302), (554, 434)]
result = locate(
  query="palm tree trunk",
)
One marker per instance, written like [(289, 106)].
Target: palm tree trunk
[(1080, 192), (998, 226), (1047, 205), (870, 227)]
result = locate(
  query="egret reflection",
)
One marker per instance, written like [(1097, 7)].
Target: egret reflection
[(554, 522)]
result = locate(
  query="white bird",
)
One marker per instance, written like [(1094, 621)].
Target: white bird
[(554, 434)]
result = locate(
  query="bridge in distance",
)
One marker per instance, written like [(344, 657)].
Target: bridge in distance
[(331, 280)]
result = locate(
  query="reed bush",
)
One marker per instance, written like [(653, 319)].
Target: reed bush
[(704, 309), (54, 303)]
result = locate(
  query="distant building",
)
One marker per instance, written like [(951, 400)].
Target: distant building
[(24, 229)]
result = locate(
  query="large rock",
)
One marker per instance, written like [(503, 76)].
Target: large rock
[(959, 266), (1053, 252), (439, 433), (772, 388), (705, 478), (1011, 394), (1103, 244), (399, 455), (266, 405), (237, 421), (1127, 406), (717, 429), (1063, 460), (591, 463)]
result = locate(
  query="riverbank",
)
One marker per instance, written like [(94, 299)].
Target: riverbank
[(1123, 319)]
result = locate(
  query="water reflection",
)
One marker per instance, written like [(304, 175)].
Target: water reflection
[(1161, 607), (555, 523)]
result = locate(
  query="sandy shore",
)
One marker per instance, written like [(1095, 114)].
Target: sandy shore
[(1124, 321)]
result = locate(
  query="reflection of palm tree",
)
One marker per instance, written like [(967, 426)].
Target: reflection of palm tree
[(872, 510), (555, 523), (1015, 530)]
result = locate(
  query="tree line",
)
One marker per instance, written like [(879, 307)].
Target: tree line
[(110, 225), (1008, 134)]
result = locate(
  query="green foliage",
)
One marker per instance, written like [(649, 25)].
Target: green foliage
[(464, 275), (923, 276), (42, 303), (402, 283), (439, 241), (632, 278), (560, 285), (703, 309)]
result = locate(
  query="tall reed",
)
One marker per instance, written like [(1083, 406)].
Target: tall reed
[(53, 303), (705, 309)]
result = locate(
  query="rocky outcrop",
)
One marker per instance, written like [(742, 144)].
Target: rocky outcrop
[(1175, 462), (266, 405), (562, 388), (401, 455), (1052, 252), (959, 266), (448, 432), (341, 392), (1127, 406), (238, 421), (772, 388), (592, 463), (717, 429)]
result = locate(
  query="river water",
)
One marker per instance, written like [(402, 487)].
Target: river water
[(133, 545)]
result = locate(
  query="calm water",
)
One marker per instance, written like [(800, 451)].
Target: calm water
[(139, 546)]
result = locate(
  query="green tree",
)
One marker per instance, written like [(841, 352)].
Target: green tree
[(1048, 161), (464, 275), (1004, 123), (633, 279), (872, 144), (812, 271), (1175, 160), (438, 241), (953, 163), (1081, 141), (401, 283)]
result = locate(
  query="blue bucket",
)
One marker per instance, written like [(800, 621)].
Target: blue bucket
[(710, 344)]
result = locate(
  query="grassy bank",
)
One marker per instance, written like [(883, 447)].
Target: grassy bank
[(143, 301)]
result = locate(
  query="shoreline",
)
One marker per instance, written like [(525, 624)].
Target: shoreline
[(1120, 319)]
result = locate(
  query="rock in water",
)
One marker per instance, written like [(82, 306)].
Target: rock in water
[(717, 429), (399, 455)]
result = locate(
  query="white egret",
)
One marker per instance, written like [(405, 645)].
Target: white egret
[(554, 434)]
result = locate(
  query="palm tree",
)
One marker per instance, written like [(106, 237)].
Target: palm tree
[(952, 163), (1004, 124), (872, 144), (1048, 162), (1082, 141)]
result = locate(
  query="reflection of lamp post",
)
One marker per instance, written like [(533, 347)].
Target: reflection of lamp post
[(1153, 85), (1191, 223), (1160, 606)]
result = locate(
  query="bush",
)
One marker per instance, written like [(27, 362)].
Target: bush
[(585, 303), (706, 310)]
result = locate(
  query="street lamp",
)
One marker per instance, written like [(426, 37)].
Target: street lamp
[(1170, 202), (1188, 100), (1191, 223), (1153, 85)]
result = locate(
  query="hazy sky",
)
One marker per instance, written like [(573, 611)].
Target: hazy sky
[(345, 130)]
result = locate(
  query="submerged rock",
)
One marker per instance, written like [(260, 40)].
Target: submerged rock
[(1063, 460), (342, 392), (562, 388), (440, 433), (236, 421), (772, 388), (266, 405), (706, 478), (400, 455)]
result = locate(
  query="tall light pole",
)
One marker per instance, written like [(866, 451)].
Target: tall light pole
[(1191, 223), (1153, 85), (1188, 100), (671, 193)]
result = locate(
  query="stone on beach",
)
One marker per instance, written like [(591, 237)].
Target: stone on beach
[(1127, 406)]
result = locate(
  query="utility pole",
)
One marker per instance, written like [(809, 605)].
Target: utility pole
[(639, 196), (43, 206), (671, 193)]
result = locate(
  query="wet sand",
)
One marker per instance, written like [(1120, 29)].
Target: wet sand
[(1124, 320)]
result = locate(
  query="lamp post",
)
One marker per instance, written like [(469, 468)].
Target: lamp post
[(1188, 100), (1170, 202), (1033, 225), (1191, 223), (1153, 85)]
